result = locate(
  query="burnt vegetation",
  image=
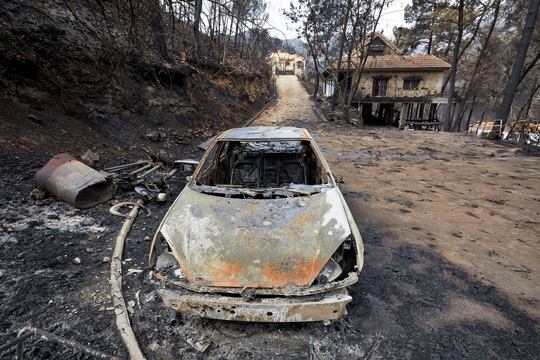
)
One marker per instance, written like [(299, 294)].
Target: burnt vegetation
[(493, 47), (128, 78), (110, 70)]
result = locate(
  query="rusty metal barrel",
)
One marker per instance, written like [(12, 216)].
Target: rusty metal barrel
[(74, 182)]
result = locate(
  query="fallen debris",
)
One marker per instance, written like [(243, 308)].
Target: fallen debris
[(74, 182), (145, 181), (38, 194), (114, 209), (175, 318), (121, 310), (143, 193), (187, 164), (30, 331), (374, 346), (126, 166), (162, 197), (134, 271), (91, 159), (201, 345)]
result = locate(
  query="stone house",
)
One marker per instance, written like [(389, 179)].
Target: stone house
[(393, 87), (284, 63)]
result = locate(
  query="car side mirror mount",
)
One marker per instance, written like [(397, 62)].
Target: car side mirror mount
[(186, 164)]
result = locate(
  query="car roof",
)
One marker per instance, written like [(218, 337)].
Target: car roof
[(266, 133)]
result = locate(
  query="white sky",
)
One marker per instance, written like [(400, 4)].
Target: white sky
[(392, 16)]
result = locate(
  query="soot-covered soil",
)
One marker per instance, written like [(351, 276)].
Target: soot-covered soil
[(431, 286)]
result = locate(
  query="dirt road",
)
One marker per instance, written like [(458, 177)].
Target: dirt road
[(449, 224)]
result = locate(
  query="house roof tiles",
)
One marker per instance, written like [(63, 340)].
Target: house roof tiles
[(404, 62)]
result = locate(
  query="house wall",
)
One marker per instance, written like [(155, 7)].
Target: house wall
[(291, 63), (286, 65), (430, 83)]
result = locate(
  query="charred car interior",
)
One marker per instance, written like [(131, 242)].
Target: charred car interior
[(262, 165), (261, 232)]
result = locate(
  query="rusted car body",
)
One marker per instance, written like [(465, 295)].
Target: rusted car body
[(261, 233)]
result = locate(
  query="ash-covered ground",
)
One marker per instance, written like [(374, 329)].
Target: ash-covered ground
[(449, 273)]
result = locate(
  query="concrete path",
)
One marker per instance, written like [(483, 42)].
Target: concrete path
[(292, 104)]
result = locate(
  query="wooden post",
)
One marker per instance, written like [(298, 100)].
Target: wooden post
[(403, 115), (448, 127), (469, 118)]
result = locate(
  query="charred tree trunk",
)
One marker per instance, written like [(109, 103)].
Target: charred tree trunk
[(315, 63), (341, 49), (470, 114), (317, 81), (453, 72), (236, 32), (527, 106), (158, 31), (480, 57), (212, 22), (196, 24), (346, 105), (513, 81)]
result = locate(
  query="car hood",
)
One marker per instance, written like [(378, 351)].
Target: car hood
[(232, 242)]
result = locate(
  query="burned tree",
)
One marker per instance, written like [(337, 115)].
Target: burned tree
[(516, 75), (337, 32)]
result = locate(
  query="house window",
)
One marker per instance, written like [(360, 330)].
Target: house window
[(411, 84), (376, 49), (380, 86)]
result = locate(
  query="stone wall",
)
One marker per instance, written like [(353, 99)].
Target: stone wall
[(430, 83)]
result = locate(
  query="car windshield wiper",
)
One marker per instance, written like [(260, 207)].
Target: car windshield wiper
[(241, 190), (295, 191), (226, 188), (253, 192)]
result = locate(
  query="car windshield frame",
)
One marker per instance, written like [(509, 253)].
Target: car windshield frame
[(264, 163)]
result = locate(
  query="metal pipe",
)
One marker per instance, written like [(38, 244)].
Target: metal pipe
[(141, 169), (29, 331), (126, 166), (74, 182), (175, 319), (19, 355), (15, 341), (150, 171)]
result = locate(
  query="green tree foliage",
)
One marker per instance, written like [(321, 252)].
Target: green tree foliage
[(435, 26), (490, 36)]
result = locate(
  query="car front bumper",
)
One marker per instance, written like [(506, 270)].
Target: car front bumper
[(320, 307)]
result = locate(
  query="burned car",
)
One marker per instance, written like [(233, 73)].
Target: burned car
[(261, 232)]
